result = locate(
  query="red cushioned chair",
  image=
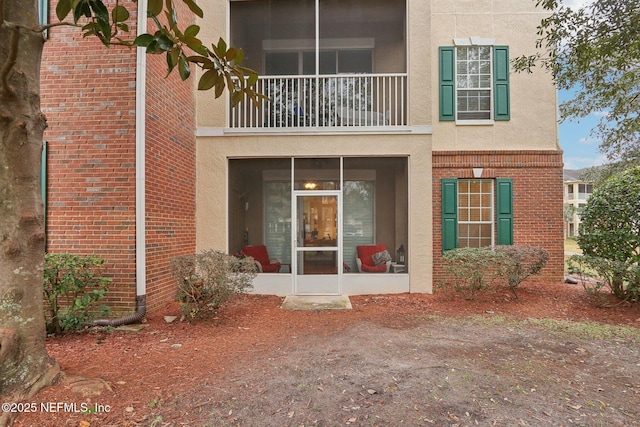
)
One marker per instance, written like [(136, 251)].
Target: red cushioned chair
[(261, 257), (366, 263)]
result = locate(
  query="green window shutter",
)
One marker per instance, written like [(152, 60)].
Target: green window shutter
[(43, 13), (501, 106), (504, 210), (43, 179), (447, 83), (449, 213)]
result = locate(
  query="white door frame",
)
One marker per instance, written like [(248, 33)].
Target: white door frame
[(316, 284)]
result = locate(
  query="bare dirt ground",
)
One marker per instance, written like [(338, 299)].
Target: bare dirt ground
[(548, 358)]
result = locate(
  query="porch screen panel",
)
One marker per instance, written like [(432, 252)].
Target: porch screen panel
[(347, 26), (277, 228), (358, 218), (267, 28)]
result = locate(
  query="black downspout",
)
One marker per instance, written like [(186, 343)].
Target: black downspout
[(141, 310)]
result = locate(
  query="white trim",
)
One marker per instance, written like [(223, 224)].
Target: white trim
[(474, 41), (363, 130), (475, 122)]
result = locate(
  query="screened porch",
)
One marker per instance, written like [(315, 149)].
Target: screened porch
[(323, 63)]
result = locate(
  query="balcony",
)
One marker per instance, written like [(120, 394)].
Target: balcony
[(324, 102)]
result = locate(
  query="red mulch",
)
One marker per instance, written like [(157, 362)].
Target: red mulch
[(163, 360)]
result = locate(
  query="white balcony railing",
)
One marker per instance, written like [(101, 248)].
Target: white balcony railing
[(372, 100)]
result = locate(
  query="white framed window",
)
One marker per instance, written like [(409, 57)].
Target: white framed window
[(474, 82), (475, 213)]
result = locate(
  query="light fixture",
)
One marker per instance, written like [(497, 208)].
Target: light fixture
[(400, 255), (310, 185)]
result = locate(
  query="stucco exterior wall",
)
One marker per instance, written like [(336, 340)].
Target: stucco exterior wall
[(533, 123)]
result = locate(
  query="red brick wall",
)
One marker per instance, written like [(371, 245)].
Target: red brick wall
[(537, 198), (171, 173), (89, 101), (88, 96)]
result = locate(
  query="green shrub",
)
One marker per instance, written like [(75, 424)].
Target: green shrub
[(473, 267), (479, 268), (610, 233), (209, 279), (519, 263), (73, 285), (601, 276)]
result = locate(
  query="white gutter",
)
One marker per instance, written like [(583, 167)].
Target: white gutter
[(141, 98), (140, 132)]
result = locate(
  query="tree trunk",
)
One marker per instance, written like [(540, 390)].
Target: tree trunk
[(25, 366)]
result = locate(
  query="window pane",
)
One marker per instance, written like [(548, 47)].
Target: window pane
[(473, 71), (475, 212), (328, 62), (355, 61), (281, 63)]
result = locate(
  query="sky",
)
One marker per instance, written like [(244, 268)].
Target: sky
[(580, 148)]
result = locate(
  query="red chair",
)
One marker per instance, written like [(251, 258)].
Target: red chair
[(366, 263), (261, 257)]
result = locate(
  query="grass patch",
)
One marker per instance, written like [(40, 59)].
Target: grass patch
[(571, 245), (564, 328), (587, 329)]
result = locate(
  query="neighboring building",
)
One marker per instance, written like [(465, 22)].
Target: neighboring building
[(576, 193), (390, 121)]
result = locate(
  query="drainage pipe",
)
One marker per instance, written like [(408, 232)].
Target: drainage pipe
[(141, 247)]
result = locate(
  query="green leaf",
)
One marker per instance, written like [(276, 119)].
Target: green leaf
[(105, 29), (236, 97), (231, 54), (144, 40), (171, 14), (201, 50), (194, 8), (183, 68), (119, 14), (63, 8), (192, 31), (192, 42), (208, 80), (154, 7), (172, 59), (239, 56), (81, 9), (198, 59), (100, 10), (164, 43), (253, 79), (219, 88)]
